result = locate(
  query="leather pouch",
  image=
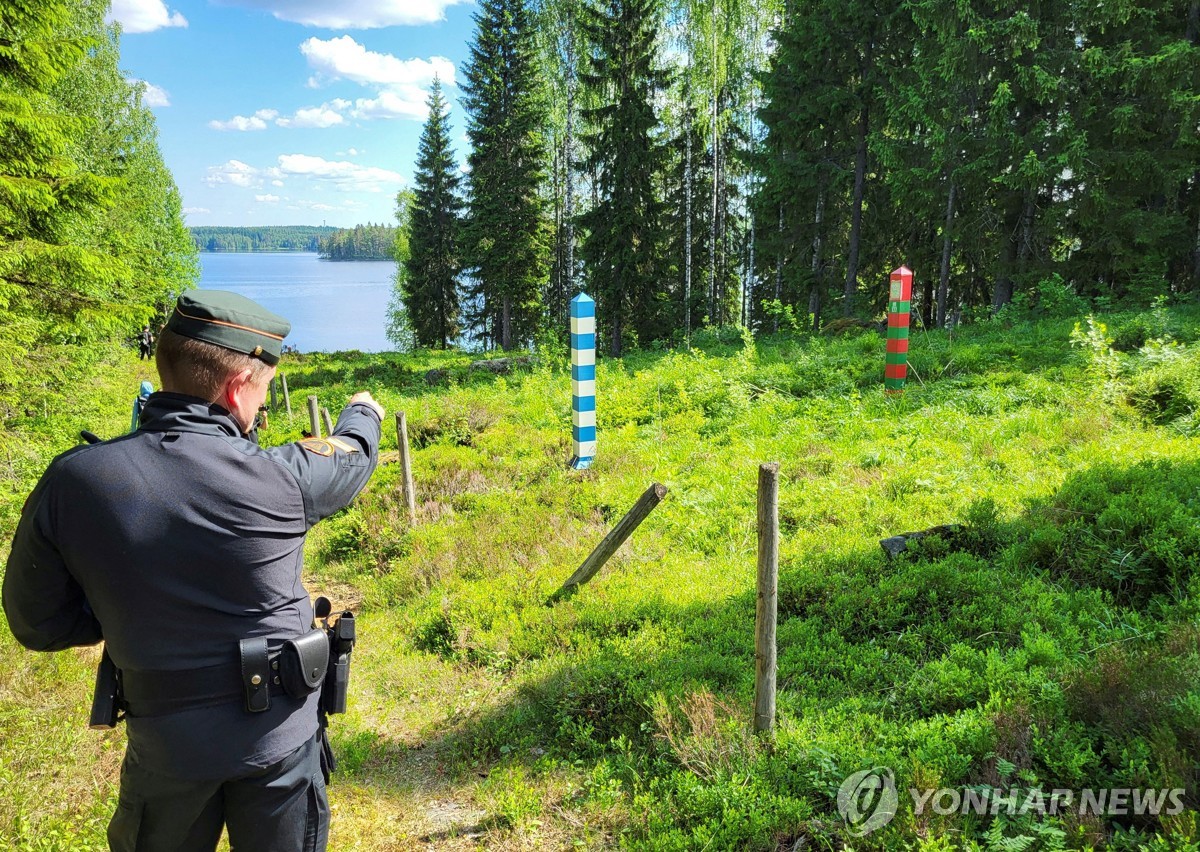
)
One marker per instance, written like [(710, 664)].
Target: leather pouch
[(256, 669), (303, 663)]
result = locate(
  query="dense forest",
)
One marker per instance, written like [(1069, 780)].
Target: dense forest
[(362, 242), (760, 162), (261, 238), (92, 240)]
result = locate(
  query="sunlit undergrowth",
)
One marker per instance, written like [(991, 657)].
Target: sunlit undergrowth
[(1050, 642)]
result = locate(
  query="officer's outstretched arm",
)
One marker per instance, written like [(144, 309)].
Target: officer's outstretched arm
[(45, 607), (332, 471)]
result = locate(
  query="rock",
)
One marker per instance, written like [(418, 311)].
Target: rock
[(897, 544), (501, 366)]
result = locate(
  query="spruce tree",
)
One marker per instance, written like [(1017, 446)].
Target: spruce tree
[(430, 282), (627, 156), (506, 238)]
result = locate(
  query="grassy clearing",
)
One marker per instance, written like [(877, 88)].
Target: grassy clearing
[(1052, 643)]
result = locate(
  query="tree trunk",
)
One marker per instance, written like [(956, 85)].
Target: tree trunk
[(779, 270), (1002, 290), (506, 341), (947, 243), (687, 245), (814, 293), (860, 180), (568, 156)]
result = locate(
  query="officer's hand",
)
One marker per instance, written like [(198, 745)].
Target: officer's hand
[(366, 398)]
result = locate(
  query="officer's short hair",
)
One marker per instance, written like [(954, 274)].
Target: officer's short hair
[(197, 368)]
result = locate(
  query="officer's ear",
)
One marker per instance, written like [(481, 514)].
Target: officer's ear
[(235, 386)]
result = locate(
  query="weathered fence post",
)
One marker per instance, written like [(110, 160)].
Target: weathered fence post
[(766, 610), (274, 398), (615, 538), (314, 419), (287, 399), (327, 420), (895, 370), (583, 380), (406, 478)]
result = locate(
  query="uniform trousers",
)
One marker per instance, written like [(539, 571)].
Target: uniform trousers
[(283, 808)]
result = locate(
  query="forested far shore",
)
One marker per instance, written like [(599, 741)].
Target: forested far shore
[(362, 242), (252, 238)]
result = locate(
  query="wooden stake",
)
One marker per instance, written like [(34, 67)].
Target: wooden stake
[(287, 399), (327, 420), (406, 478), (314, 419), (615, 538), (768, 598), (274, 398)]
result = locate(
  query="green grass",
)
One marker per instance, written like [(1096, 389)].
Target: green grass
[(1053, 642)]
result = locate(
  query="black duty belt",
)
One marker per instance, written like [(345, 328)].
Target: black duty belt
[(156, 693), (296, 668)]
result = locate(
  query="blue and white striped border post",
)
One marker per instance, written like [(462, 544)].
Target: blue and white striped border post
[(583, 380)]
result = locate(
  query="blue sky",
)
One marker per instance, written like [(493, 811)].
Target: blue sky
[(293, 112)]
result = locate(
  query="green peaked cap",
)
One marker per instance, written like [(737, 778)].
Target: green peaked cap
[(231, 321)]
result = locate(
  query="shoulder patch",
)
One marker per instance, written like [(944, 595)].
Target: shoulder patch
[(344, 446), (316, 445)]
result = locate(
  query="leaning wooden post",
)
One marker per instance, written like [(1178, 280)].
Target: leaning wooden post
[(768, 597), (274, 398), (895, 369), (406, 478), (287, 399), (314, 419), (583, 380), (327, 420), (615, 538)]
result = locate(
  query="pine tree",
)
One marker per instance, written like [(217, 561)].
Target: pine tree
[(627, 158), (430, 282), (506, 239)]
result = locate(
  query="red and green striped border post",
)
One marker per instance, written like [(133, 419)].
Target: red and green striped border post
[(899, 306)]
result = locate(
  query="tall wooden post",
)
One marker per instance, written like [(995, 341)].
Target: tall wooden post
[(406, 478), (327, 420), (274, 398), (899, 308), (767, 608), (314, 418), (583, 380), (287, 399)]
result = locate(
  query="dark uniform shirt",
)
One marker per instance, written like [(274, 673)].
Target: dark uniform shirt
[(174, 543)]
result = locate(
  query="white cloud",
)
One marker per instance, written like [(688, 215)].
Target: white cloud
[(267, 199), (188, 210), (408, 102), (340, 173), (352, 14), (276, 183), (234, 173), (152, 95), (325, 115), (258, 121), (344, 58), (144, 16)]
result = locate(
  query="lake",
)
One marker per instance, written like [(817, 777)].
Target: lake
[(332, 305)]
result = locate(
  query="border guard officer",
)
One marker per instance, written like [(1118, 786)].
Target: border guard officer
[(181, 546)]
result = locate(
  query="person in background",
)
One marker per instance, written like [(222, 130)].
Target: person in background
[(139, 403), (181, 547), (145, 343)]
